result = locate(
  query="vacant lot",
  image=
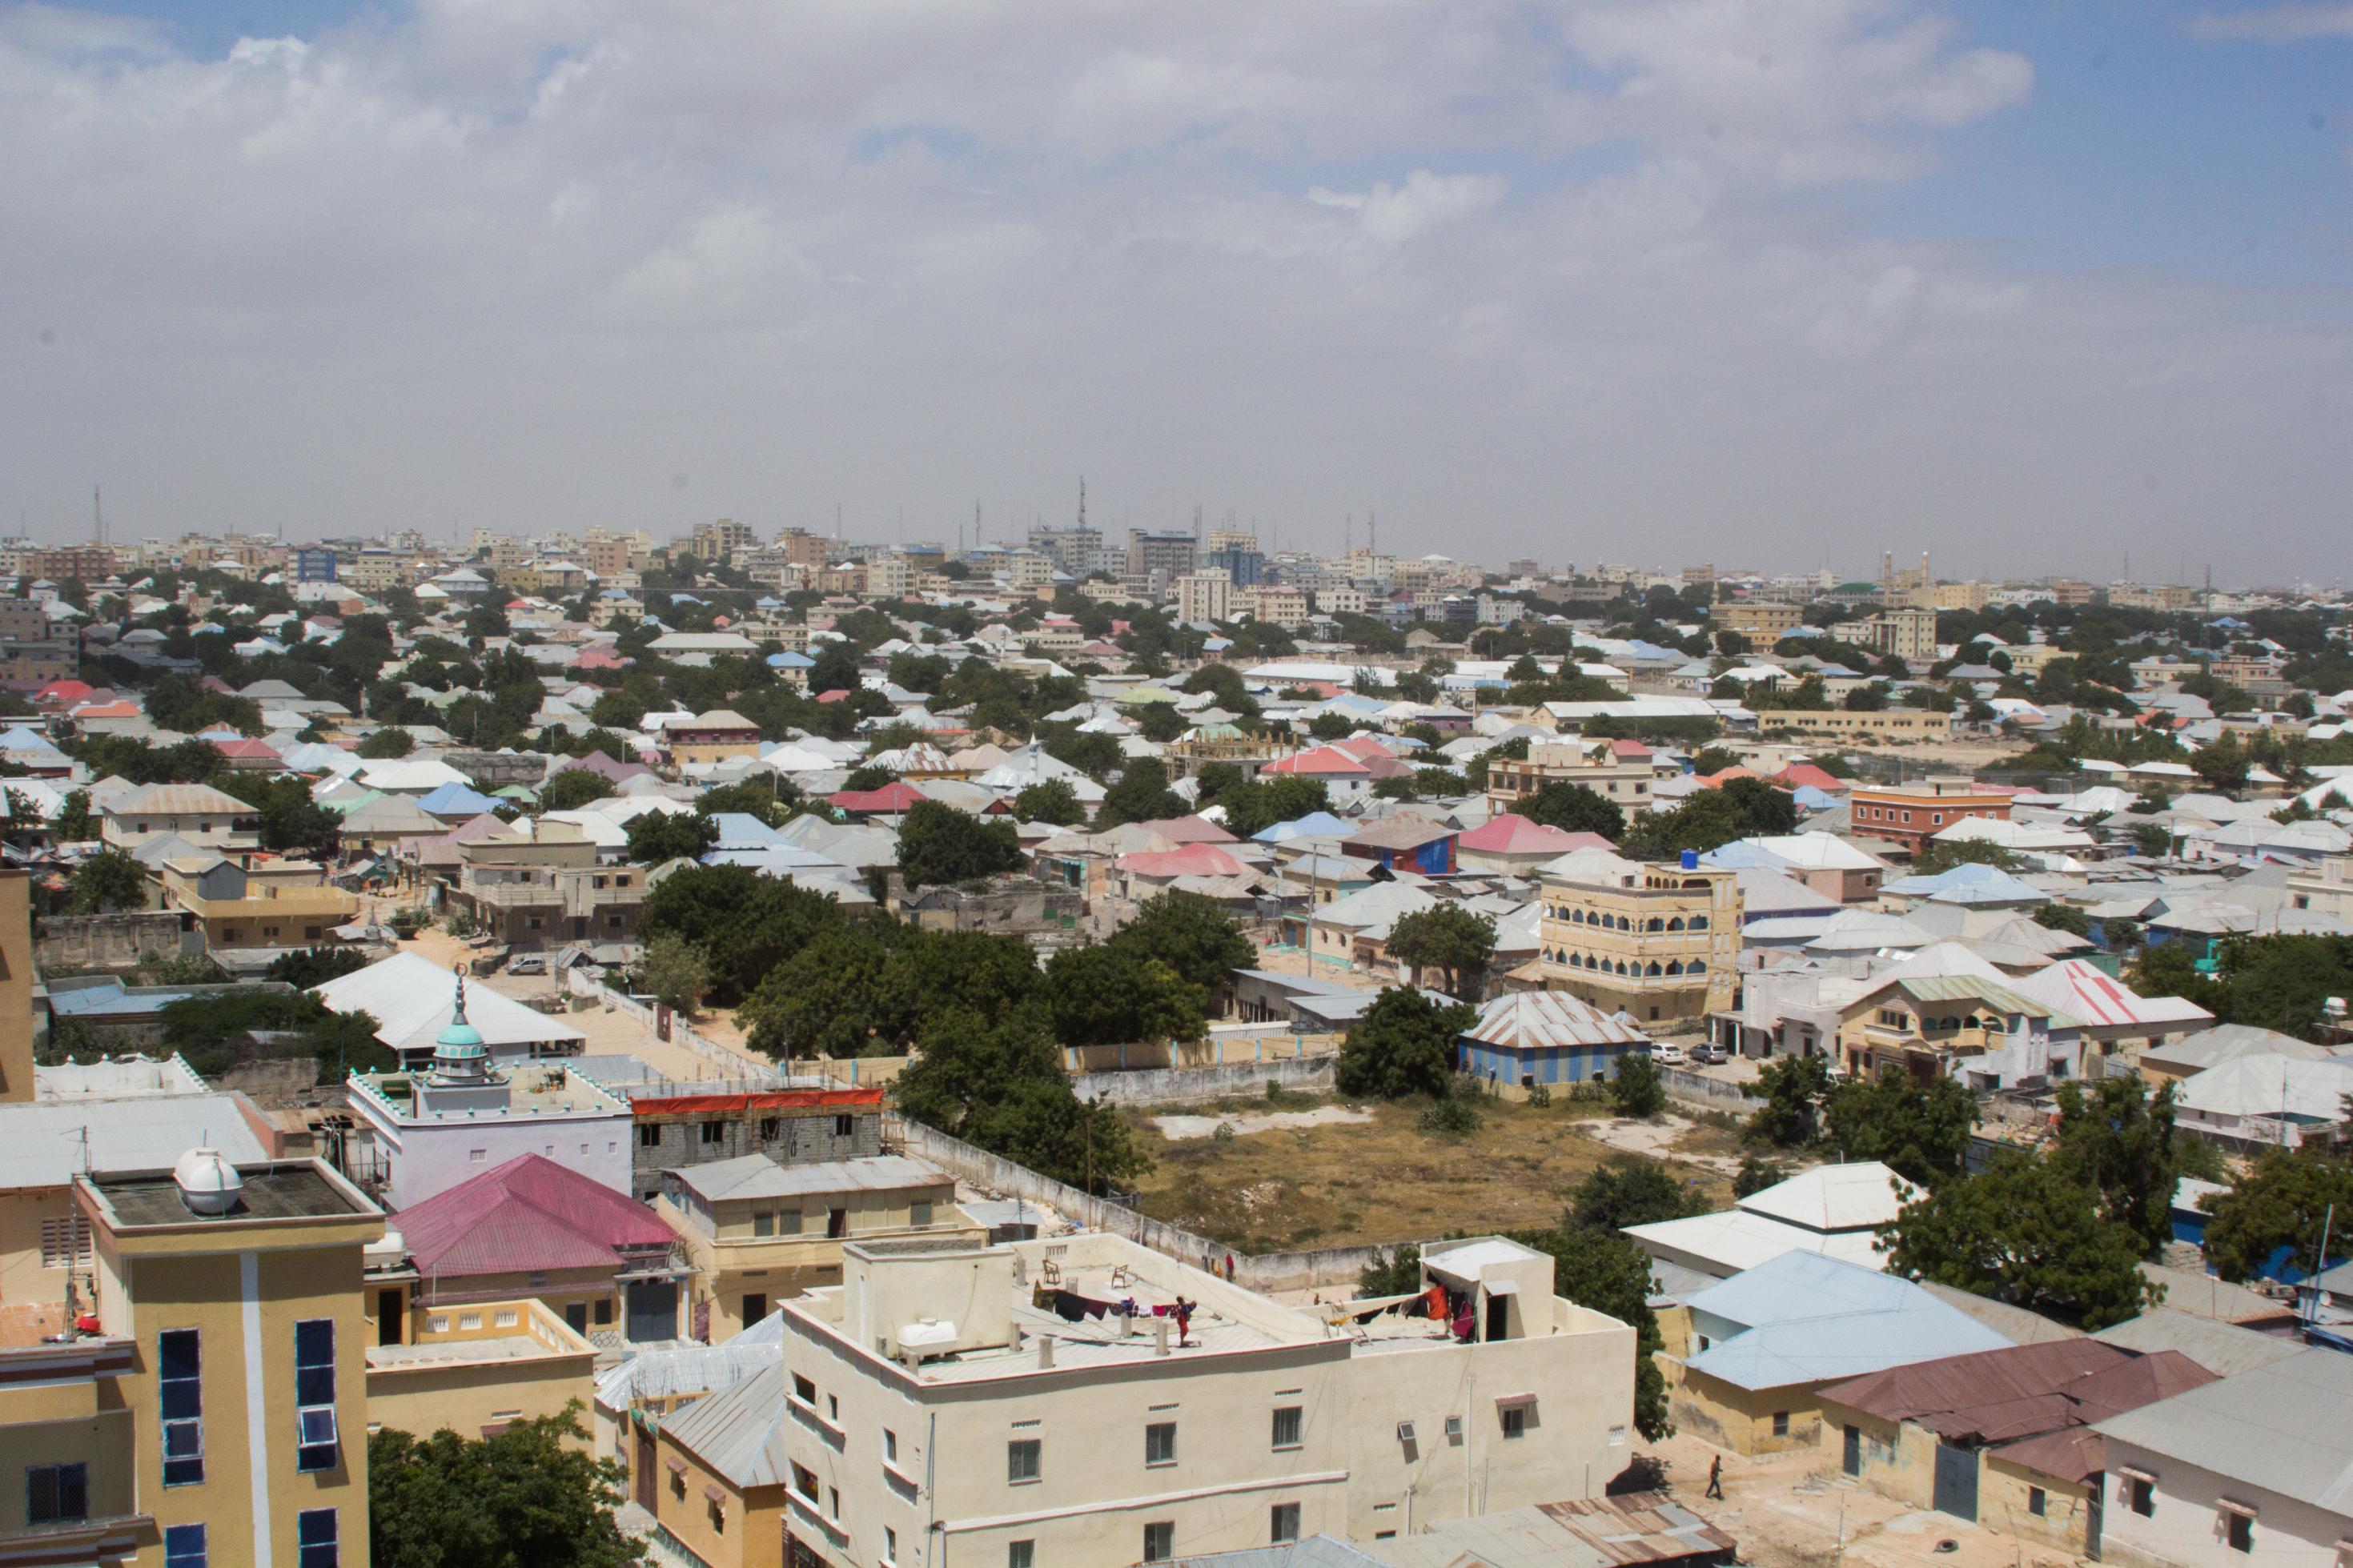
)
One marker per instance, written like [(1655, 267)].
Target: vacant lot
[(1350, 1184)]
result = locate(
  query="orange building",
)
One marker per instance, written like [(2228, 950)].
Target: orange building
[(1912, 813)]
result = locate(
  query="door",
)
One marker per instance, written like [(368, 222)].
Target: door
[(2094, 1509), (755, 1307), (836, 1224), (1851, 1456), (641, 1481), (576, 1316), (389, 1310), (653, 1310), (1956, 1481)]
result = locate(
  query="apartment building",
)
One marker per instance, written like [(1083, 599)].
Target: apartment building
[(218, 1414), (1907, 632), (1762, 621), (1341, 599), (1204, 596), (1904, 725), (1144, 1408), (1621, 778), (720, 540), (1909, 815), (1168, 555), (197, 813), (1282, 606), (681, 1125), (712, 737), (1657, 941)]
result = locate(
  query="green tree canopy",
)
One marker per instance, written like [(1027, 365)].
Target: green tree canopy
[(1636, 1087), (573, 788), (938, 844), (2028, 1233), (1612, 1274), (1573, 808), (525, 1495), (390, 741), (1402, 1046), (1919, 1131), (1050, 801), (1627, 1192), (2279, 1205), (999, 1085), (106, 881), (1142, 795), (675, 973), (657, 838), (2119, 1141), (1447, 937), (1191, 935), (1115, 993), (1792, 1088)]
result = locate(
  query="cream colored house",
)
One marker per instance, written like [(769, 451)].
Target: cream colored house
[(1655, 941), (1044, 1402)]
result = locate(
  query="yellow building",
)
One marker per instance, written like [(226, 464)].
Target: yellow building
[(1624, 780), (1761, 621), (1655, 941), (758, 1231), (236, 1432), (712, 737), (1882, 724), (282, 903), (475, 1371)]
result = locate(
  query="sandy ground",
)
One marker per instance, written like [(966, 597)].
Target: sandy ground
[(1656, 1137), (1786, 1513), (1179, 1127)]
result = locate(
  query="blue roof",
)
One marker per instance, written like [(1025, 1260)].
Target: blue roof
[(111, 999), (790, 661), (1810, 1318), (742, 830), (1967, 884), (1810, 797), (1314, 825), (453, 798), (22, 738)]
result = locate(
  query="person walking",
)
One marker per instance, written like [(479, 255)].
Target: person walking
[(1716, 1478)]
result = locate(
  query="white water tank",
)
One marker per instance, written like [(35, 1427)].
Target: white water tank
[(208, 1184)]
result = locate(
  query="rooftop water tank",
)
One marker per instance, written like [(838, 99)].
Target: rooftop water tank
[(208, 1184)]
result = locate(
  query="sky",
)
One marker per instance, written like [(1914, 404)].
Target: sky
[(2065, 287)]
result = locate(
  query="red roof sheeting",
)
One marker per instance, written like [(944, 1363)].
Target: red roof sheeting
[(1511, 834), (1805, 776), (529, 1216), (1323, 760), (1192, 861), (893, 799)]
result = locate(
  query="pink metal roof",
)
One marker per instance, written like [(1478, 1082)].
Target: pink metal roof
[(1511, 834), (892, 799), (529, 1216), (1189, 860), (1189, 830), (1323, 761)]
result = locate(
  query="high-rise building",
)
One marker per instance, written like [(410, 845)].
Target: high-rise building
[(1166, 554), (1204, 596)]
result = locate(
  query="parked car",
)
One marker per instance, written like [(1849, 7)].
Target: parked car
[(1667, 1056), (1707, 1054), (527, 964)]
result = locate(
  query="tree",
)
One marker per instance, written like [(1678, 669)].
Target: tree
[(1755, 1175), (1869, 699), (74, 824), (109, 880), (2028, 1233), (829, 999), (2275, 1212), (2069, 917), (1793, 1089), (1393, 1272), (2119, 1142), (835, 670), (1630, 1192), (391, 742), (1941, 854), (1573, 808), (1259, 805), (1114, 993), (1919, 1131), (1000, 1085), (657, 838), (526, 1495), (1402, 1046), (573, 788), (1050, 801), (676, 971), (312, 966), (938, 844), (744, 923), (2222, 764), (1191, 935), (1764, 810), (1612, 1276), (1636, 1087), (1142, 795), (1447, 937)]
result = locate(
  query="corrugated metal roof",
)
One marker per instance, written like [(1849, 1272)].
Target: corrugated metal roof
[(1852, 1196), (735, 1432), (1538, 1020), (2281, 1428), (2223, 1349), (692, 1370), (1810, 1319), (43, 1144), (1995, 1397), (758, 1176), (528, 1215), (180, 800), (411, 998)]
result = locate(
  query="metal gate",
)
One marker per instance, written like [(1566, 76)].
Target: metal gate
[(653, 1310), (1956, 1481)]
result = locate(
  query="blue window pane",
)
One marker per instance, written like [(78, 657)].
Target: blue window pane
[(183, 1547), (178, 1353)]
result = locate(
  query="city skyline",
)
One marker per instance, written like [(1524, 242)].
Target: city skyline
[(1669, 284)]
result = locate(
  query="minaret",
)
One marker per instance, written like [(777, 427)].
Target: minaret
[(461, 1080)]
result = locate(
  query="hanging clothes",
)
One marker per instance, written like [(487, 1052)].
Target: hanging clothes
[(1069, 1306)]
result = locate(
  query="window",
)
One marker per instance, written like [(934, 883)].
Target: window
[(833, 1502), (890, 1447), (919, 1213), (1160, 1442), (183, 1547), (1284, 1524), (2238, 1531), (649, 1136), (842, 1126), (54, 1494), (788, 1221), (1021, 1554), (1781, 1422), (2140, 1495), (714, 1132), (804, 1481), (1022, 1456), (764, 1223), (805, 1391), (1160, 1541), (1515, 1420), (314, 1393), (604, 1312), (316, 1539), (65, 1243), (1287, 1423), (890, 1544), (769, 1127), (2038, 1501), (179, 1383)]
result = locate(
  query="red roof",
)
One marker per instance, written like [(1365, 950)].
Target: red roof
[(1718, 780), (1323, 761), (836, 695), (66, 691), (1365, 746), (1192, 861), (1805, 776), (597, 655), (245, 748), (893, 799), (1511, 834), (107, 711), (529, 1216), (1629, 749)]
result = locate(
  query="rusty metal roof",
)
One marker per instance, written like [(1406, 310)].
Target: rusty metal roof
[(1999, 1397)]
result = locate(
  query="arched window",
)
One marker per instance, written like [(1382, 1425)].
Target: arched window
[(1699, 922), (1655, 923), (1576, 960), (1652, 970), (1697, 967), (1576, 916), (1676, 924), (1674, 966)]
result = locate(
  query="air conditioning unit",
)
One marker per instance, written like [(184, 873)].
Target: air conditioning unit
[(1405, 1431), (1453, 1427)]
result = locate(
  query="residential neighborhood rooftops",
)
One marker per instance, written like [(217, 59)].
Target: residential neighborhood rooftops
[(2281, 1428), (1804, 1317)]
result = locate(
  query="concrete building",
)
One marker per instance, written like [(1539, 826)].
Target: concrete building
[(1166, 556), (475, 1369), (1621, 778), (713, 737), (2250, 1469), (1762, 621), (1204, 596), (1210, 1418), (1909, 815), (197, 813), (681, 1125), (271, 903), (1656, 942), (1886, 725), (1837, 1210), (758, 1231)]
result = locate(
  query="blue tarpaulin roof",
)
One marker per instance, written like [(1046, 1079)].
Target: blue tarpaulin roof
[(1809, 1319)]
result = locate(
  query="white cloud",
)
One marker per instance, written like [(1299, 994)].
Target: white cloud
[(533, 263)]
